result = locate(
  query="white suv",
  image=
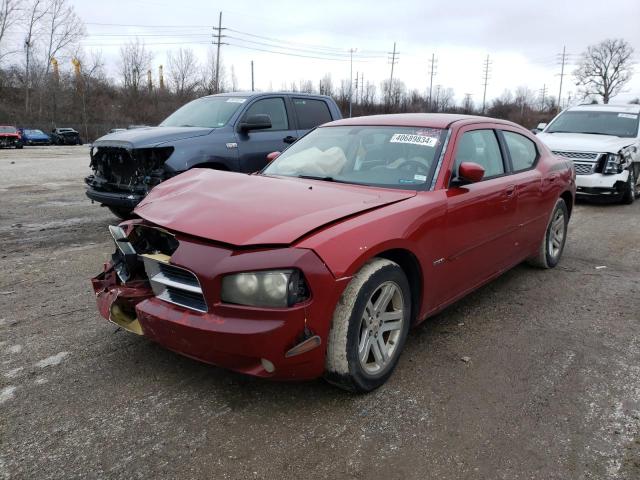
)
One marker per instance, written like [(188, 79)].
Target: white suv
[(604, 143)]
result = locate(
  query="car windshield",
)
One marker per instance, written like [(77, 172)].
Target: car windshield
[(395, 157), (7, 130), (209, 112), (596, 122), (34, 132)]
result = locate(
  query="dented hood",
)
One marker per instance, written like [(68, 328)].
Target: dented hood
[(149, 136), (243, 210), (584, 142)]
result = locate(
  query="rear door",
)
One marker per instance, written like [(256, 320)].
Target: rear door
[(481, 217), (310, 112), (253, 146), (532, 216)]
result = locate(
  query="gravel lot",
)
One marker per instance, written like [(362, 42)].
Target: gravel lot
[(551, 391)]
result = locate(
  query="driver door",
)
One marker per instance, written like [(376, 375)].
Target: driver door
[(480, 218), (253, 146)]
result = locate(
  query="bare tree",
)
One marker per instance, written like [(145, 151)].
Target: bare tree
[(34, 14), (182, 71), (208, 80), (605, 68), (135, 60), (8, 17), (306, 86), (64, 29), (326, 85)]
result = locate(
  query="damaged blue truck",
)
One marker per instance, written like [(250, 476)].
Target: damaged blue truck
[(230, 131)]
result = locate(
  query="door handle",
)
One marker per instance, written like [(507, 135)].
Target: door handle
[(289, 139), (509, 191)]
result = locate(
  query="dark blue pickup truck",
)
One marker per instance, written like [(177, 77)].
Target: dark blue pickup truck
[(230, 131)]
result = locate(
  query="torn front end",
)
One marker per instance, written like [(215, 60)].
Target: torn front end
[(122, 176), (169, 288)]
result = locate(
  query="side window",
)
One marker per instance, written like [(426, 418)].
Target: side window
[(311, 113), (481, 147), (523, 151), (274, 107)]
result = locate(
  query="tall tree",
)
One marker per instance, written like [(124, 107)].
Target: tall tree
[(8, 17), (605, 68), (64, 29), (135, 60), (182, 71), (34, 13)]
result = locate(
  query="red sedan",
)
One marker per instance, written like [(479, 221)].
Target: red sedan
[(320, 264)]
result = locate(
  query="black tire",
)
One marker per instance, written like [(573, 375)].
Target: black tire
[(351, 328), (630, 189), (548, 256), (122, 212), (19, 146)]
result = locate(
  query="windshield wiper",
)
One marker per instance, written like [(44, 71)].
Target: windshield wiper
[(317, 177), (600, 133)]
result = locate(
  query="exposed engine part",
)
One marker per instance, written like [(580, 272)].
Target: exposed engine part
[(121, 169)]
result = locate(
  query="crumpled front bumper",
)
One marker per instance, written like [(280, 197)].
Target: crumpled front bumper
[(599, 184), (231, 336)]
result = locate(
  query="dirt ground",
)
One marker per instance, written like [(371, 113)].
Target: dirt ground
[(551, 391)]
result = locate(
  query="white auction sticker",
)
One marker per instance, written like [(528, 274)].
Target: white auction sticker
[(420, 178), (236, 100), (628, 115), (414, 139)]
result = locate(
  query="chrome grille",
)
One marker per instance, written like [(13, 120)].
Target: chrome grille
[(584, 168), (578, 155), (174, 284)]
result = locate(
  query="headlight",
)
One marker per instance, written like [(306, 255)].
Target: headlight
[(271, 288), (613, 165)]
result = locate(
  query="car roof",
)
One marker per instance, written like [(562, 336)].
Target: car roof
[(429, 120), (610, 107), (261, 94)]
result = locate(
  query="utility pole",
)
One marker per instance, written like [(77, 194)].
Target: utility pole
[(351, 50), (393, 60), (543, 94), (218, 42), (357, 90), (432, 72), (563, 60), (362, 88), (486, 68), (252, 75)]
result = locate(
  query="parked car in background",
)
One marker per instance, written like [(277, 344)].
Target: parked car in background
[(10, 137), (603, 141), (319, 264), (232, 131), (65, 136), (34, 137)]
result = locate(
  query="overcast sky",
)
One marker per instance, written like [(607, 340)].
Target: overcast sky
[(523, 38)]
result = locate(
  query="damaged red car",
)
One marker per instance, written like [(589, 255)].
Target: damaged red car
[(319, 265)]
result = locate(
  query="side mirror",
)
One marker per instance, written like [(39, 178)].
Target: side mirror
[(469, 172), (272, 156), (542, 126), (259, 121)]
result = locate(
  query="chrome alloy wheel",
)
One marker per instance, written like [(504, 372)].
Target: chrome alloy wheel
[(557, 231), (380, 328)]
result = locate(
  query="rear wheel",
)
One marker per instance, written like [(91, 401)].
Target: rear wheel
[(122, 212), (19, 145), (552, 244), (369, 328), (631, 188)]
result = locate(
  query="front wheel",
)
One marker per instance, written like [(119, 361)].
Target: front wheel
[(555, 237), (631, 188), (369, 328)]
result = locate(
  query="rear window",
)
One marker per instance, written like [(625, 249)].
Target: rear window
[(311, 113), (523, 151), (7, 130)]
